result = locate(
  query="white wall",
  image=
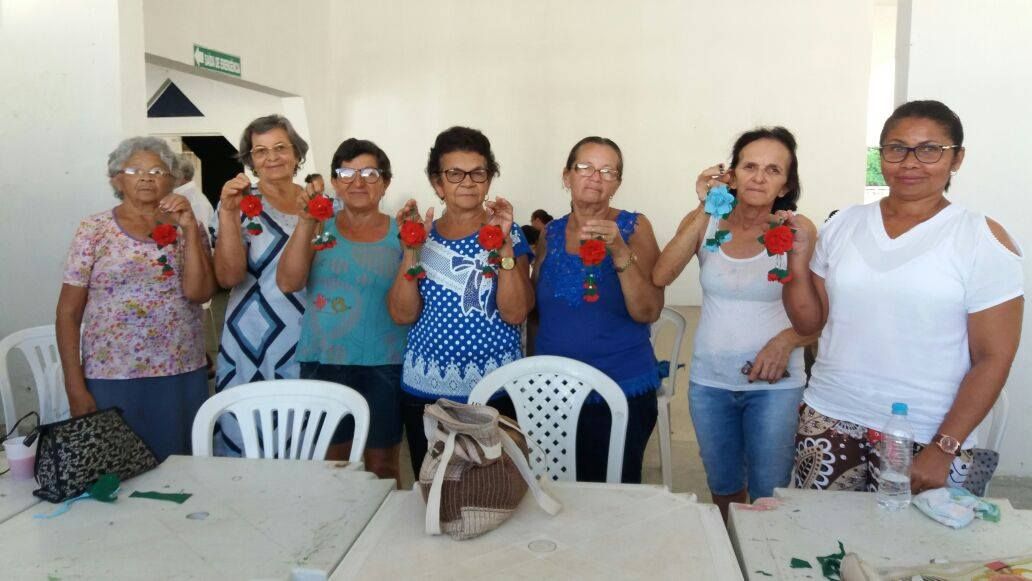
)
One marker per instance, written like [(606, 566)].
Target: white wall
[(71, 92), (975, 57), (672, 82), (283, 48)]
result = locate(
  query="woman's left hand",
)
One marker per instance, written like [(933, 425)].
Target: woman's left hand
[(605, 230), (772, 360), (179, 208), (499, 213), (930, 469)]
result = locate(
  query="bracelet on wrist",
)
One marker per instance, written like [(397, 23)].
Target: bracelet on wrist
[(630, 260)]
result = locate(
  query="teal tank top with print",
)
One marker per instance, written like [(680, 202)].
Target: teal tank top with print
[(346, 320)]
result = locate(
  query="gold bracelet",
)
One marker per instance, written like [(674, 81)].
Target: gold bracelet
[(630, 260)]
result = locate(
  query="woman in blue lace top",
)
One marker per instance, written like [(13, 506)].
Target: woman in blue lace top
[(606, 327), (465, 313)]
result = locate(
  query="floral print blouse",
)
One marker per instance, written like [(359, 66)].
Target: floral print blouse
[(137, 323)]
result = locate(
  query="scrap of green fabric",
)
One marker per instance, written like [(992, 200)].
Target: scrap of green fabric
[(798, 563), (178, 498), (105, 488), (831, 564)]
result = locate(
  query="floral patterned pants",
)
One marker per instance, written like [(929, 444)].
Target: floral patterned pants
[(838, 455)]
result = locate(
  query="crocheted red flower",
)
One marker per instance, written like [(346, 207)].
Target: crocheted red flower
[(592, 252), (320, 207), (490, 237), (412, 233), (251, 205), (778, 240), (164, 234)]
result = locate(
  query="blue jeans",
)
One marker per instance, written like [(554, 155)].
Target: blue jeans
[(745, 437)]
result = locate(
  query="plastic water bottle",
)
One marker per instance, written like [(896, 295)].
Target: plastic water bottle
[(896, 452)]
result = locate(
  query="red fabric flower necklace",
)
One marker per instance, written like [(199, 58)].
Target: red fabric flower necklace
[(778, 240), (164, 235), (490, 238), (251, 206), (592, 253), (320, 207), (413, 235)]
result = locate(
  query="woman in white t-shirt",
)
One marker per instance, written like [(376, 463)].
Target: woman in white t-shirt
[(920, 302), (747, 376)]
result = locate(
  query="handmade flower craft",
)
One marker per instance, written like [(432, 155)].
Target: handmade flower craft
[(592, 253), (251, 206), (491, 239), (320, 207), (164, 235), (778, 240)]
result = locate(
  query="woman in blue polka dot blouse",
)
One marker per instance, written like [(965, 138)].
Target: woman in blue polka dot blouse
[(465, 324)]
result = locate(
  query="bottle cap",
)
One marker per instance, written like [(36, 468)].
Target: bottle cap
[(899, 409)]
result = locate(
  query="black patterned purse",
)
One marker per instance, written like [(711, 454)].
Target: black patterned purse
[(72, 454)]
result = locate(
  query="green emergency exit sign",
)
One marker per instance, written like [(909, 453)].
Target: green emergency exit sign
[(214, 60)]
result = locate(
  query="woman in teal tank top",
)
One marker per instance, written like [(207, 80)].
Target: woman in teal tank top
[(347, 335)]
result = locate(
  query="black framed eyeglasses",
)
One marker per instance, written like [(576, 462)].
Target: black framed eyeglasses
[(587, 170), (456, 175), (925, 153), (369, 175)]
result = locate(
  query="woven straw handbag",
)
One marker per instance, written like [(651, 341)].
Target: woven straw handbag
[(474, 474)]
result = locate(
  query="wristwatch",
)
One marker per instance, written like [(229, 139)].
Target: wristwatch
[(947, 444), (508, 263)]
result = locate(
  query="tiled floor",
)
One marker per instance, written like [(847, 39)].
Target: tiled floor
[(688, 475)]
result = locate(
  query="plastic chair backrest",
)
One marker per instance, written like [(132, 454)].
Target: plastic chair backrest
[(994, 425), (670, 318), (39, 346), (289, 419), (548, 393)]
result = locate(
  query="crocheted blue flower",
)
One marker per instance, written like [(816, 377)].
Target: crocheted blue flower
[(719, 201)]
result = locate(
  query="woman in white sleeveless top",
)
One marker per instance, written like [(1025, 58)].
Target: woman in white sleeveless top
[(746, 376), (920, 302)]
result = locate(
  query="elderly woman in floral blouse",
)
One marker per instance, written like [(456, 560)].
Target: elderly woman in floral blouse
[(134, 281)]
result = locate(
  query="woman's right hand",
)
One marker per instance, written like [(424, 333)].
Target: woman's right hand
[(709, 178), (802, 234), (233, 191), (81, 402)]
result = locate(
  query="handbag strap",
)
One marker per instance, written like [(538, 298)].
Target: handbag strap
[(28, 442), (433, 500), (547, 503)]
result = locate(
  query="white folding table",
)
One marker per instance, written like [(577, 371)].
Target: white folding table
[(247, 519), (604, 531), (15, 495), (806, 524)]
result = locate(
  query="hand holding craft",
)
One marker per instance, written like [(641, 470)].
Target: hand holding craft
[(179, 208), (711, 176), (233, 191), (499, 213)]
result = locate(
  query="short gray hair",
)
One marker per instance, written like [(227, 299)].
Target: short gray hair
[(184, 167), (264, 125), (129, 147)]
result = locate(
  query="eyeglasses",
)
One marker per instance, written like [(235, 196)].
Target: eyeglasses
[(154, 172), (587, 170), (369, 175), (925, 153), (261, 153), (456, 175)]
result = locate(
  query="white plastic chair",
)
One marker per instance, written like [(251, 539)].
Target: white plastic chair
[(548, 393), (39, 346), (290, 419), (994, 425), (668, 318)]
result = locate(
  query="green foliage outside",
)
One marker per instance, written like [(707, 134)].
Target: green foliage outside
[(874, 177)]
